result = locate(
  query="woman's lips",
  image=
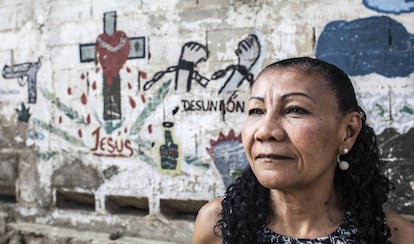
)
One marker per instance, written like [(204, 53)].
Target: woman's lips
[(273, 157)]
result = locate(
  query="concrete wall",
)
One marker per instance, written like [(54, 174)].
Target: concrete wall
[(126, 115)]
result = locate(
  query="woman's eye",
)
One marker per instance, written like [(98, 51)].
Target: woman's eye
[(256, 111), (296, 110)]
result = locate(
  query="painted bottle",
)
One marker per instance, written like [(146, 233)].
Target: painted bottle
[(169, 150)]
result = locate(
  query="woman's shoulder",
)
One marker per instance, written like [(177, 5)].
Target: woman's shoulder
[(207, 218), (212, 205), (402, 230)]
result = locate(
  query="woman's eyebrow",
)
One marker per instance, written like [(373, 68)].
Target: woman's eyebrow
[(301, 94), (286, 96), (257, 98)]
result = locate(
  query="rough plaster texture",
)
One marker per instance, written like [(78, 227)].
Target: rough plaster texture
[(153, 133), (35, 233)]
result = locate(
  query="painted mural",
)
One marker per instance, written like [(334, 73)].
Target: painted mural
[(26, 74), (109, 138), (379, 45), (169, 151), (393, 7), (228, 154), (112, 49), (23, 113), (248, 53), (376, 49), (192, 53), (186, 75), (105, 131), (109, 134), (375, 45)]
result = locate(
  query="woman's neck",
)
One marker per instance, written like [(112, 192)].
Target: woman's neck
[(306, 214)]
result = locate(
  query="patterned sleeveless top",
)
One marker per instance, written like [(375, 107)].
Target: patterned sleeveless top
[(344, 234)]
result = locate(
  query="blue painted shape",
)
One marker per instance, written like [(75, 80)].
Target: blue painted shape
[(376, 44), (229, 158), (390, 6)]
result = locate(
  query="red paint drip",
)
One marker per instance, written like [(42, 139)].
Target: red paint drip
[(80, 133), (150, 129), (143, 99), (132, 102), (143, 74), (129, 86), (88, 119), (69, 91), (94, 85), (83, 99), (82, 76)]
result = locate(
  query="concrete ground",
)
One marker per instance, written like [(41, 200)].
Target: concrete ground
[(29, 233)]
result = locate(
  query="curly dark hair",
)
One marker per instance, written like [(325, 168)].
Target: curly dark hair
[(247, 205)]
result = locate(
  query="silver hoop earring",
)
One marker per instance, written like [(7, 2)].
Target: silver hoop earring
[(343, 164)]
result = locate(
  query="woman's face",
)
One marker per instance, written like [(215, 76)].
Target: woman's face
[(293, 130)]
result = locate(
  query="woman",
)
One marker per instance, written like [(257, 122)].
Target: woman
[(314, 174)]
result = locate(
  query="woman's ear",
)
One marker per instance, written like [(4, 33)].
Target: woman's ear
[(353, 123)]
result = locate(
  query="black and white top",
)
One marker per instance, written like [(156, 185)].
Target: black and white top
[(344, 234)]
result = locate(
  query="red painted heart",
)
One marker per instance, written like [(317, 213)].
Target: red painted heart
[(113, 52)]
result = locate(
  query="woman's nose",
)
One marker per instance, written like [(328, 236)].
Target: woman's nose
[(270, 129)]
